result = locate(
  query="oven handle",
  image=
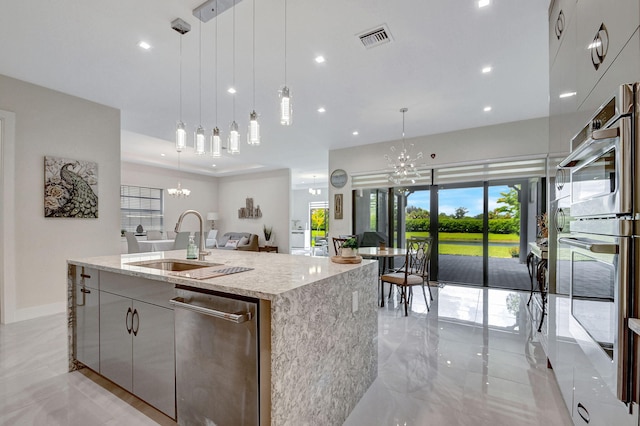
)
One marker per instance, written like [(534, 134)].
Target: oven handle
[(600, 134), (605, 248)]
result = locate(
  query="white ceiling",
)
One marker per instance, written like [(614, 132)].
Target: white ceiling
[(88, 48)]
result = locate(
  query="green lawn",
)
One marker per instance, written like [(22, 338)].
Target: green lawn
[(464, 236), (474, 250)]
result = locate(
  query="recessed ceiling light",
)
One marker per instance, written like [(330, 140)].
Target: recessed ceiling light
[(213, 165), (162, 155), (231, 90), (321, 109), (320, 59), (567, 94), (355, 133), (487, 109), (144, 45), (486, 70), (483, 3)]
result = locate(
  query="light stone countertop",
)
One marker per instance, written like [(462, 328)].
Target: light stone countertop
[(272, 275)]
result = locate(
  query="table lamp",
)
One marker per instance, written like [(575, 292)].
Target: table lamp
[(212, 216)]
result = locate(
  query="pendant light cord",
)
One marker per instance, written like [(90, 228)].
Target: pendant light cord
[(216, 65), (285, 42), (254, 55), (234, 58), (200, 68), (180, 106)]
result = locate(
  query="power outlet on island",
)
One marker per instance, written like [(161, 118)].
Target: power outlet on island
[(354, 302)]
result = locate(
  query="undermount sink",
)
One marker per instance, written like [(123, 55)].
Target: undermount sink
[(173, 265)]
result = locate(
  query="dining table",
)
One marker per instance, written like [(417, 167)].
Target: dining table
[(383, 254), (155, 245)]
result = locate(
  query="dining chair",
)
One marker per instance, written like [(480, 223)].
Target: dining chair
[(154, 235), (132, 243), (337, 244), (182, 240), (415, 270)]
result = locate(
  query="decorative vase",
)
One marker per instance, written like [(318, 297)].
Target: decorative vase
[(347, 252)]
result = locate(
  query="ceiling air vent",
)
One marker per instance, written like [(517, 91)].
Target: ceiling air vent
[(375, 37)]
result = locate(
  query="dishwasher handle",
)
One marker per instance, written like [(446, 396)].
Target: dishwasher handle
[(179, 302)]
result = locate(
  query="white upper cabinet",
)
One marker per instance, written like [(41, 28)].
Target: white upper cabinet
[(604, 28), (561, 15)]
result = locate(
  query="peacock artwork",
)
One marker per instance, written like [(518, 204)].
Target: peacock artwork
[(70, 188)]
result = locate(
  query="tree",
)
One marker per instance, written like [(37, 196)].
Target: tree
[(413, 212), (318, 219), (511, 199), (460, 212)]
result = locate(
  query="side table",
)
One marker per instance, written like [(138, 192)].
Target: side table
[(268, 249)]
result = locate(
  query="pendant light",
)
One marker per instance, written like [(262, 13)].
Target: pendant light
[(285, 93), (182, 28), (199, 134), (404, 166), (234, 135), (253, 133), (216, 142)]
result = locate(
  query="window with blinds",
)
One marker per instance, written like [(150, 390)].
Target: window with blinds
[(472, 172), (141, 206)]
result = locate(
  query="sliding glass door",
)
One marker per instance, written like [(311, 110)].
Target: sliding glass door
[(505, 265), (478, 228), (461, 234)]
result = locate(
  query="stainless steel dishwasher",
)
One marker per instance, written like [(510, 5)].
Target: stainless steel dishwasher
[(216, 358)]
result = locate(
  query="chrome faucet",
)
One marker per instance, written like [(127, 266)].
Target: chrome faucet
[(201, 252)]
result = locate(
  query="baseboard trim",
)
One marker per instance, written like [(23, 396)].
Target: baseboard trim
[(39, 311)]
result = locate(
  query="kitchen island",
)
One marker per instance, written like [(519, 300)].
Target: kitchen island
[(318, 323)]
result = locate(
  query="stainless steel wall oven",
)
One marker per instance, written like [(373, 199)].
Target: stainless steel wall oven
[(601, 251)]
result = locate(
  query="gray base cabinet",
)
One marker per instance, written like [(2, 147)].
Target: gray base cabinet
[(137, 341), (87, 317)]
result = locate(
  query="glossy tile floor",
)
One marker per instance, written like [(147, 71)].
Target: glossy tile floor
[(473, 360)]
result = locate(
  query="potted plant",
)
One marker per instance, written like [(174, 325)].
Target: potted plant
[(349, 248), (268, 231), (515, 251)]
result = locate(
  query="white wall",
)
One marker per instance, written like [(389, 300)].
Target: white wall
[(203, 198), (50, 123), (490, 143), (269, 190)]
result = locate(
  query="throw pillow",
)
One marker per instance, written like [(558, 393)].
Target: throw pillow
[(243, 241), (232, 243)]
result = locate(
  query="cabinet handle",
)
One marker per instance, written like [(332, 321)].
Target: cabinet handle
[(129, 327), (135, 317), (85, 276), (583, 412), (86, 291), (238, 318)]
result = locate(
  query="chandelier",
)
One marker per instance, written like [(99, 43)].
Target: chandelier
[(315, 191), (179, 192), (404, 167)]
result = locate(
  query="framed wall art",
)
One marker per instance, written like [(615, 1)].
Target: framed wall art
[(70, 188), (337, 206)]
